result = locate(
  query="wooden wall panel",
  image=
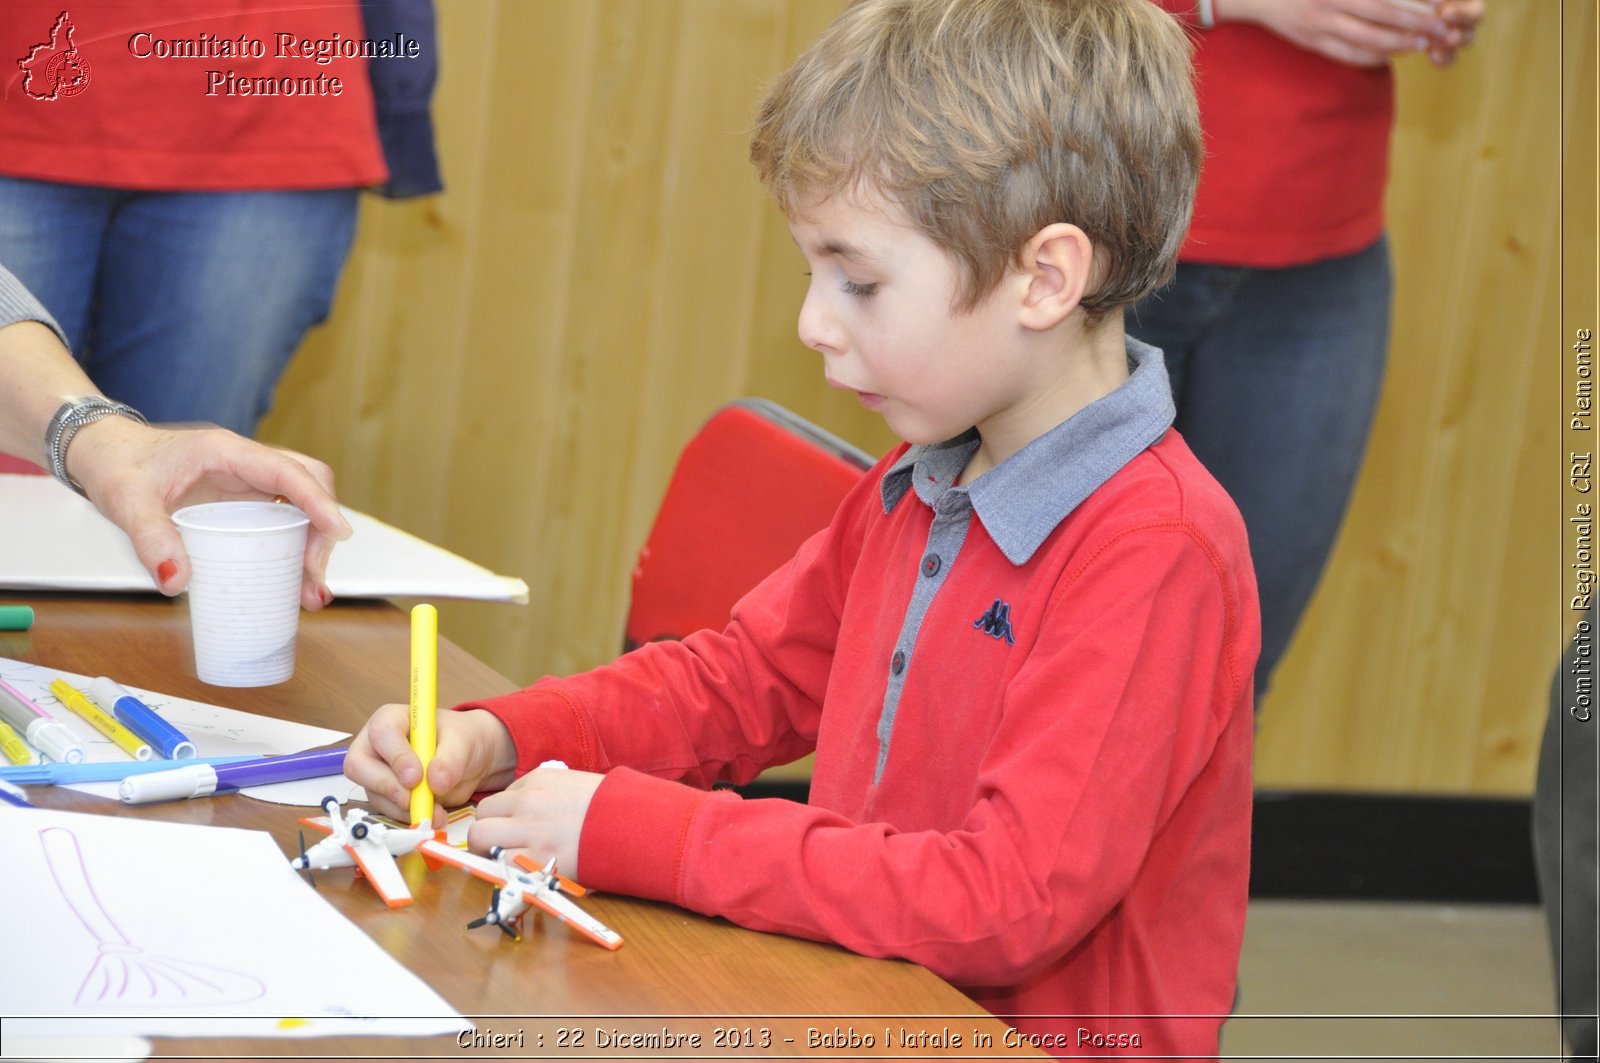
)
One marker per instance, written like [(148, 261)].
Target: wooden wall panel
[(513, 366), (1424, 660)]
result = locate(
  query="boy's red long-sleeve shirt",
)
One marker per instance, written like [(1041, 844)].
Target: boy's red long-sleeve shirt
[(1034, 778)]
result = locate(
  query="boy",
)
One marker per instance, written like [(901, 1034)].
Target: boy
[(1022, 650)]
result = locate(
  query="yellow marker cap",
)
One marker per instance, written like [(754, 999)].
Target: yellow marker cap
[(12, 745)]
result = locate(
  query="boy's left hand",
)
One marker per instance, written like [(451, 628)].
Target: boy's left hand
[(541, 814)]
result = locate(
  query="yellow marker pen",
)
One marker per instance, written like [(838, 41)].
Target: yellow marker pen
[(101, 721), (12, 745), (424, 704)]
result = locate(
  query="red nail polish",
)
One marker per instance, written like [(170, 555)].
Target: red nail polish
[(165, 571), (325, 595)]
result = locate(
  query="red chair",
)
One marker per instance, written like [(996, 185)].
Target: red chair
[(753, 484)]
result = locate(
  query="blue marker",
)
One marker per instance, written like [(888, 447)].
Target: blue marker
[(13, 795), (141, 719), (99, 771)]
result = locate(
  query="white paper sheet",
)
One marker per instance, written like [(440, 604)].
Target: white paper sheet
[(140, 928), (56, 540), (215, 731)]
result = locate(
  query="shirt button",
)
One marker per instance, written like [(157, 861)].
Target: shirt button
[(897, 663), (930, 565)]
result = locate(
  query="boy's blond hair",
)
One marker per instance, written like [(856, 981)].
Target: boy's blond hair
[(986, 120)]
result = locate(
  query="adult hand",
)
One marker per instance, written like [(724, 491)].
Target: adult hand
[(138, 474), (1356, 32), (1461, 18), (541, 814)]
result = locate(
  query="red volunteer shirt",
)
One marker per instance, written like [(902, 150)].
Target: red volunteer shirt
[(1297, 149), (186, 95)]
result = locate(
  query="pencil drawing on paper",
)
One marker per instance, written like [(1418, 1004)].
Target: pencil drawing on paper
[(123, 974)]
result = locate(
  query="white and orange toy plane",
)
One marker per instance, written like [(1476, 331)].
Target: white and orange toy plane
[(359, 839), (518, 883)]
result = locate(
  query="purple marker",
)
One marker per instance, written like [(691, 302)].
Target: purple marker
[(203, 780)]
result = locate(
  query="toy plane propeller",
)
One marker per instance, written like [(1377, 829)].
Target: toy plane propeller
[(358, 838), (519, 883)]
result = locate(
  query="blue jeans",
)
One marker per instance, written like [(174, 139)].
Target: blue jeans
[(1276, 374), (185, 305)]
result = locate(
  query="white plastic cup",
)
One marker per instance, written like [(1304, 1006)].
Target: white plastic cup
[(244, 593)]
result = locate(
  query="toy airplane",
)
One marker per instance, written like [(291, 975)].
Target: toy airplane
[(518, 883), (360, 839)]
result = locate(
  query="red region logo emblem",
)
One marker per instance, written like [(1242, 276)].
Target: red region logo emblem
[(55, 69)]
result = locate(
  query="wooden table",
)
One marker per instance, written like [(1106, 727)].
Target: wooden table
[(679, 975)]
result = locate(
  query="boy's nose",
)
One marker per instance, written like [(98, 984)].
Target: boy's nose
[(815, 328)]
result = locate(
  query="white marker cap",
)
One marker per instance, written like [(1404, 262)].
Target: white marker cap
[(55, 740), (194, 780)]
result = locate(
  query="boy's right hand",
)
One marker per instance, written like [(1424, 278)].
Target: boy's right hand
[(474, 753)]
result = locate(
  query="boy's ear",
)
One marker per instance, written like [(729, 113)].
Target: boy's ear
[(1058, 262)]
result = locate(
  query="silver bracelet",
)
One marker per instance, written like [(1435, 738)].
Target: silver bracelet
[(1206, 12), (73, 415)]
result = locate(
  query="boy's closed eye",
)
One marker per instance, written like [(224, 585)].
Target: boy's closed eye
[(850, 287)]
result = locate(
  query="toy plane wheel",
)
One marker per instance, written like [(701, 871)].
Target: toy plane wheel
[(303, 864)]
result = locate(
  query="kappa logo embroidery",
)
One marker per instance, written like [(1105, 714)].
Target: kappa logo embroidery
[(996, 622)]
